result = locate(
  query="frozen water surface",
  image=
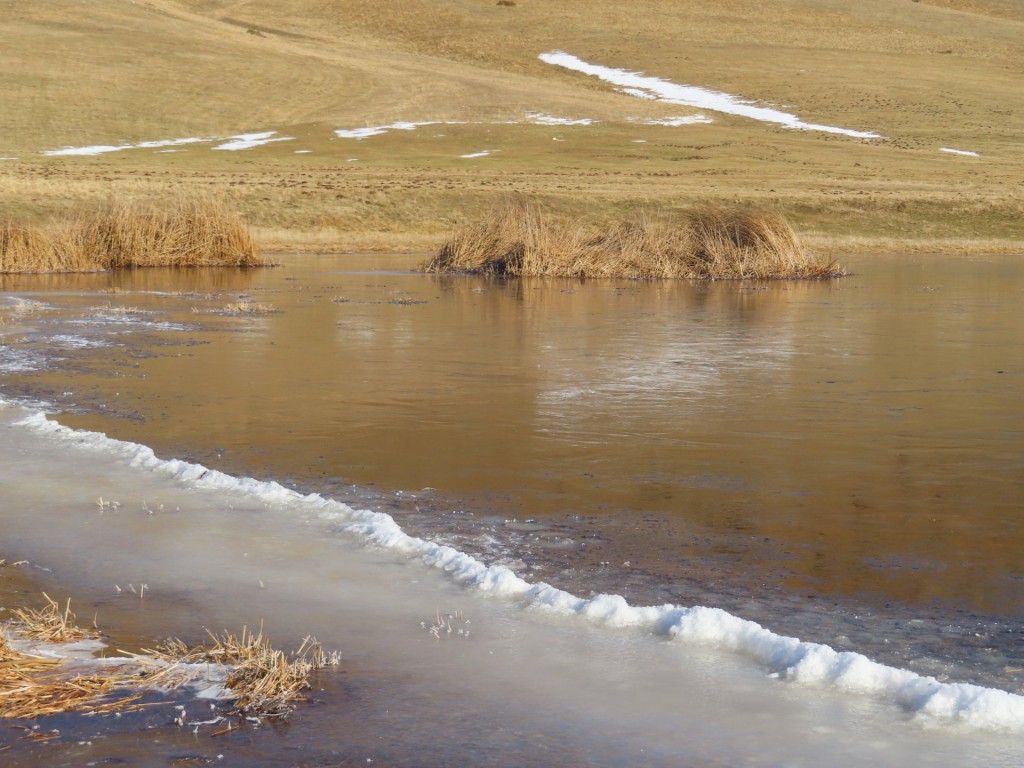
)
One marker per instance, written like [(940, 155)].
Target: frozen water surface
[(660, 393), (590, 665)]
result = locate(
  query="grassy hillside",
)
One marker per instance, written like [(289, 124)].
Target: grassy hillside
[(924, 75)]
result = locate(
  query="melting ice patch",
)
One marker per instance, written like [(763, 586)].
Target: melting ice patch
[(786, 658), (20, 360), (966, 152), (644, 86), (71, 341), (134, 319)]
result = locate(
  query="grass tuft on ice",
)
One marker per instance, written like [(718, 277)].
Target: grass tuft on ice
[(262, 681), (258, 681), (50, 623)]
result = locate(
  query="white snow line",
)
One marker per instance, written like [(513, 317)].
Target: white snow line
[(250, 140), (677, 121), (172, 142), (100, 149), (483, 153), (644, 86), (966, 152), (539, 118), (364, 133)]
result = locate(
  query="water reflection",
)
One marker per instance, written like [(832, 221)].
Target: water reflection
[(862, 437)]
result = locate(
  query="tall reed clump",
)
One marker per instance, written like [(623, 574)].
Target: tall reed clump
[(24, 248), (188, 232), (517, 238)]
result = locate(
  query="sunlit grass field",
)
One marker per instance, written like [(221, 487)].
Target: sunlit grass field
[(926, 76)]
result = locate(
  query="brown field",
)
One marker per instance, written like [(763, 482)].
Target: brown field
[(925, 75)]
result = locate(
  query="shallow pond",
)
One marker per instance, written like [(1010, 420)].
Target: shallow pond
[(840, 461)]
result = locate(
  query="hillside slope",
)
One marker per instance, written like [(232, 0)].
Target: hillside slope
[(927, 77)]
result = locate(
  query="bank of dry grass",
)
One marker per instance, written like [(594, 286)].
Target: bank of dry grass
[(186, 232), (711, 243)]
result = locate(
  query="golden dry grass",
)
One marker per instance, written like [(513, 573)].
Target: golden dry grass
[(186, 232), (51, 623), (711, 243), (263, 682), (937, 73)]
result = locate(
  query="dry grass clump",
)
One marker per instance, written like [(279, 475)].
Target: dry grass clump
[(519, 239), (190, 232), (34, 686), (50, 624), (265, 682), (24, 248), (246, 307), (262, 682)]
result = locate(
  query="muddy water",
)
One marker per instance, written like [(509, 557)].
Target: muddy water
[(805, 454)]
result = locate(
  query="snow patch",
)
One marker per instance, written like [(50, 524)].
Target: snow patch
[(677, 121), (100, 149), (966, 152), (539, 118), (364, 133), (482, 153), (644, 86), (250, 140)]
